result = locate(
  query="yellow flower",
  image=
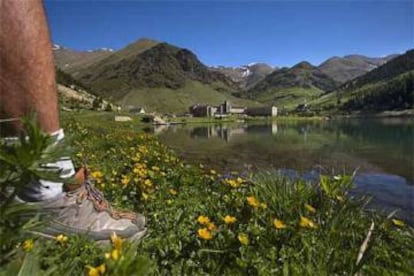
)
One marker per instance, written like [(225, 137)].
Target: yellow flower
[(173, 192), (169, 201), (239, 180), (229, 219), (201, 166), (243, 238), (97, 174), (28, 245), (310, 208), (93, 271), (233, 183), (307, 223), (62, 239), (263, 205), (213, 172), (278, 224), (145, 196), (252, 201), (116, 241), (398, 222), (102, 268), (211, 226), (148, 182), (125, 180), (115, 254), (205, 234), (203, 220)]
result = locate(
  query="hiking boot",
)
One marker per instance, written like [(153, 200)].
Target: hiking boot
[(82, 209)]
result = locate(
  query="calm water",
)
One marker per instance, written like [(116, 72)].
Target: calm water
[(381, 150)]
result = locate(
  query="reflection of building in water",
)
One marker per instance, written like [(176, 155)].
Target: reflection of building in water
[(274, 128), (260, 129), (227, 109), (220, 131)]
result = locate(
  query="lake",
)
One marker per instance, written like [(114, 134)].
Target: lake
[(380, 149)]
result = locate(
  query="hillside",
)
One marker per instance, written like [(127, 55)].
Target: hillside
[(68, 59), (387, 87), (343, 69), (246, 76), (149, 74), (289, 87)]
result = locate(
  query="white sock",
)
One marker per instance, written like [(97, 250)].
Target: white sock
[(43, 189)]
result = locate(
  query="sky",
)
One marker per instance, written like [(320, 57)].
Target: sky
[(233, 33)]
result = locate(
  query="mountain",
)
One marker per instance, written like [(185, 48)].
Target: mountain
[(289, 87), (343, 69), (157, 76), (388, 87), (246, 76), (67, 59)]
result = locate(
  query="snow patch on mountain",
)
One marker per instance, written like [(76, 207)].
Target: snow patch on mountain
[(56, 47)]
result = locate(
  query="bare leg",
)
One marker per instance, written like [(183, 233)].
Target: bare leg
[(27, 73)]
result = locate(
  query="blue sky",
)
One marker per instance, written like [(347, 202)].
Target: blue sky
[(232, 33)]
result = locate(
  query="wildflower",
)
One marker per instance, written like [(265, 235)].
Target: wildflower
[(93, 271), (203, 220), (229, 219), (213, 172), (148, 183), (307, 223), (339, 198), (144, 196), (398, 222), (96, 271), (310, 208), (115, 254), (201, 166), (155, 168), (278, 224), (169, 201), (211, 226), (173, 192), (125, 180), (116, 241), (205, 234), (102, 268), (263, 205), (239, 180), (28, 245), (233, 183), (243, 238), (252, 201), (62, 239), (97, 174)]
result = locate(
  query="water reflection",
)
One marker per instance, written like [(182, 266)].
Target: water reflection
[(381, 150)]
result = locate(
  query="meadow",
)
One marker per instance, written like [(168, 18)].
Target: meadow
[(201, 221)]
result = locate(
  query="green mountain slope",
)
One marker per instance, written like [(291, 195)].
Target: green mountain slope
[(387, 87), (149, 74), (167, 100), (289, 87)]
